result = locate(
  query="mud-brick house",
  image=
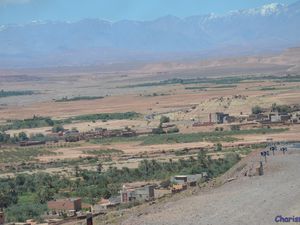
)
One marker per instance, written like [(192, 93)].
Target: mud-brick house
[(69, 206)]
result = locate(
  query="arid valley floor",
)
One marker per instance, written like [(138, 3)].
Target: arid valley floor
[(187, 93)]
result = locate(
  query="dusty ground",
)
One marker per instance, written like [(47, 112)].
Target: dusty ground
[(178, 102), (135, 148), (87, 126), (247, 200), (183, 106), (255, 200), (61, 82)]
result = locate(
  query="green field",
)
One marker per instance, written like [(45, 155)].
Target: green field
[(20, 154), (215, 136)]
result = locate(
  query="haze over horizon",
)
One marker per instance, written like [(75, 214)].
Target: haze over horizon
[(26, 11), (249, 31)]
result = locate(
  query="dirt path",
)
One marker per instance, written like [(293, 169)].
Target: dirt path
[(247, 200)]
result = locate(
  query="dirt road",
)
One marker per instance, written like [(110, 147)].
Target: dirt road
[(247, 200)]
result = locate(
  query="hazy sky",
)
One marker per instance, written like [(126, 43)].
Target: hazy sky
[(23, 11)]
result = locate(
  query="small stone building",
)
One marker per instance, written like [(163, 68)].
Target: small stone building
[(145, 193), (190, 180), (106, 204), (218, 117)]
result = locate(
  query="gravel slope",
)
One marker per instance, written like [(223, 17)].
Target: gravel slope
[(247, 200)]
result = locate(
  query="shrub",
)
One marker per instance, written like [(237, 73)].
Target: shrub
[(257, 109), (235, 127), (23, 136), (158, 130), (164, 119), (173, 130), (20, 213), (218, 147), (57, 128), (4, 137), (219, 129)]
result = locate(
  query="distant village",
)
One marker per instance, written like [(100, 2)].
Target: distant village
[(261, 116)]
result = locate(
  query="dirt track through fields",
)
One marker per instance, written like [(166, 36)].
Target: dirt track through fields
[(247, 200)]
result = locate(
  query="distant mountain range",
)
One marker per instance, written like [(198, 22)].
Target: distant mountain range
[(88, 42)]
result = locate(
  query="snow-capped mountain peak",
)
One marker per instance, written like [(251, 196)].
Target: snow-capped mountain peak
[(265, 10), (270, 27), (273, 8), (2, 27)]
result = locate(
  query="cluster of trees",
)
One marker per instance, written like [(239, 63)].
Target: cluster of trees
[(6, 138), (78, 98), (34, 122), (276, 108), (107, 116), (14, 93), (36, 189), (199, 80), (219, 129), (25, 195), (22, 136), (223, 80), (257, 109), (38, 121), (281, 108), (232, 128)]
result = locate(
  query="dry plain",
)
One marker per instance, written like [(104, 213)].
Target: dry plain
[(186, 92), (123, 90)]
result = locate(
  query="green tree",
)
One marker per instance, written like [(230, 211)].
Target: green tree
[(57, 128), (49, 121), (257, 109), (44, 194), (22, 136), (164, 119), (4, 137), (218, 147), (281, 108), (158, 130), (21, 212), (202, 159), (8, 195)]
